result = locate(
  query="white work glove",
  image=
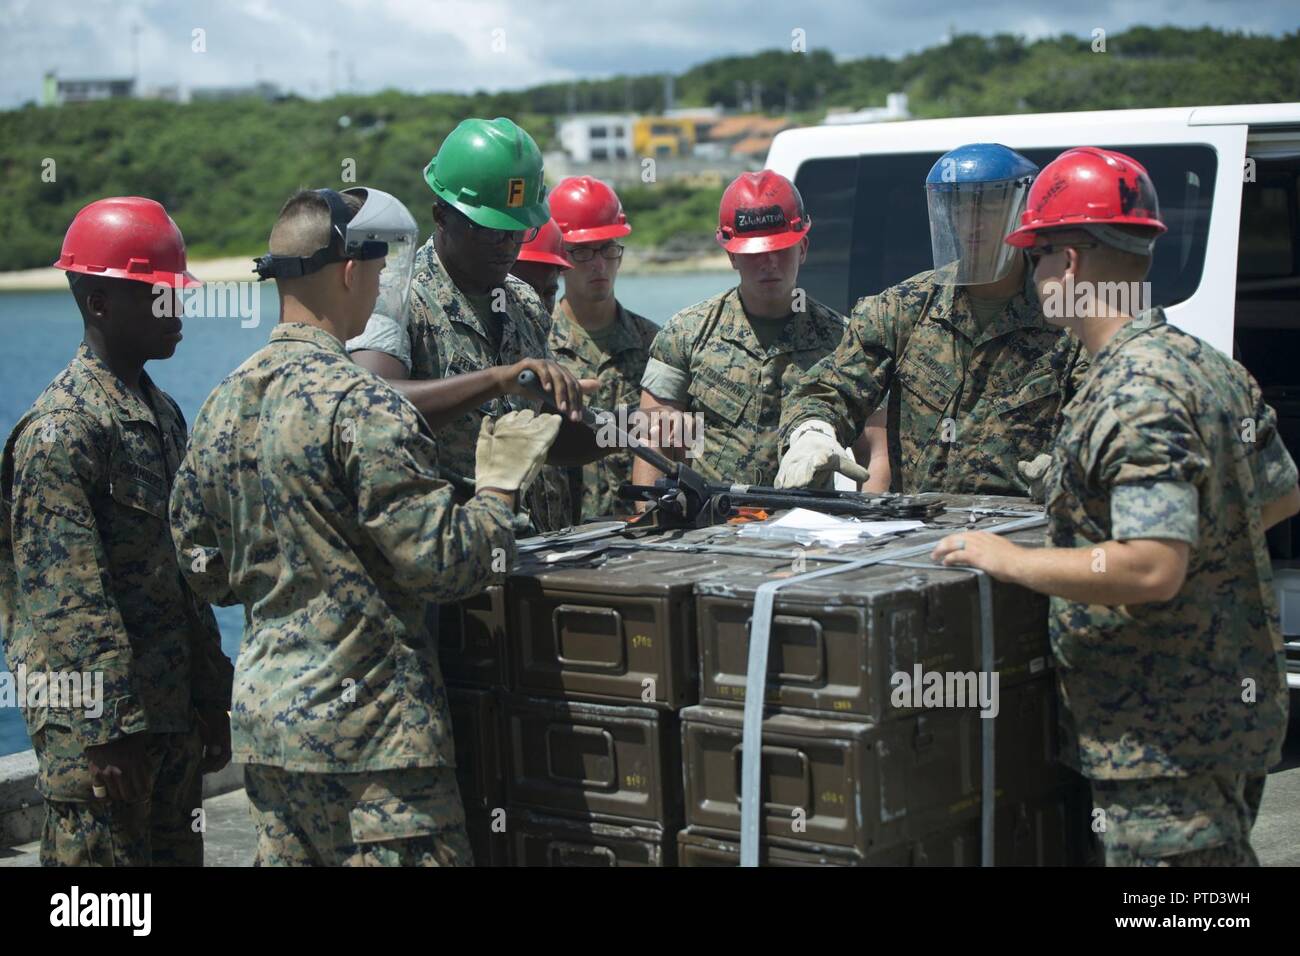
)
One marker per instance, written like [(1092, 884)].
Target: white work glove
[(1035, 472), (512, 449), (814, 453)]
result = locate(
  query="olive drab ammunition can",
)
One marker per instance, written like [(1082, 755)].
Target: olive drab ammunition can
[(842, 645), (541, 840), (472, 645), (599, 695), (478, 728), (1035, 832), (619, 631), (570, 758), (866, 787)]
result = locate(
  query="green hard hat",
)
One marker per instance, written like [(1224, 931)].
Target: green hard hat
[(491, 170)]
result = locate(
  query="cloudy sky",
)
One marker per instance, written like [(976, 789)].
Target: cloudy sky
[(460, 45)]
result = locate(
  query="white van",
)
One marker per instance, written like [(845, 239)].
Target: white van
[(1228, 270)]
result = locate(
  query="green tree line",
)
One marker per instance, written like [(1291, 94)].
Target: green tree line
[(222, 168)]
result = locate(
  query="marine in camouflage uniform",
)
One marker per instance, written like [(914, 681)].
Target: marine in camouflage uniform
[(709, 359), (617, 363), (312, 493), (445, 333), (89, 584), (966, 401), (1175, 710)]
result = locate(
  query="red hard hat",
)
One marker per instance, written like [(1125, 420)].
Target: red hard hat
[(126, 237), (586, 210), (1089, 186), (761, 212), (547, 246)]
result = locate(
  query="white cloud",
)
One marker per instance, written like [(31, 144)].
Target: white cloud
[(424, 45)]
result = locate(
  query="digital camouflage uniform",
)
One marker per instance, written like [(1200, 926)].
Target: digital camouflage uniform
[(311, 496), (444, 336), (708, 359), (965, 403), (1175, 709), (89, 584), (619, 372)]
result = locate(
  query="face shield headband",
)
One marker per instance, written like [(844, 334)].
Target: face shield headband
[(346, 242)]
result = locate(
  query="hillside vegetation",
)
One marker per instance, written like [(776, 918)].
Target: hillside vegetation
[(223, 168)]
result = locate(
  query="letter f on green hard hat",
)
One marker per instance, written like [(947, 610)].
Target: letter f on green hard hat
[(491, 170)]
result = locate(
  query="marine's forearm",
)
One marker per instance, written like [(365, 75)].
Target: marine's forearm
[(443, 400), (1110, 574)]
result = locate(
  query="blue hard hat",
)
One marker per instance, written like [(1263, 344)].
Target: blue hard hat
[(979, 163)]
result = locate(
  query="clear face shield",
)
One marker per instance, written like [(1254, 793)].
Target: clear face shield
[(968, 222), (384, 219)]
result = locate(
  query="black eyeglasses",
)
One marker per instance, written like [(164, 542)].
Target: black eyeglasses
[(493, 237), (610, 250), (1037, 252)]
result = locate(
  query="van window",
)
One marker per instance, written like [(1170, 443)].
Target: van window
[(870, 228), (1268, 258)]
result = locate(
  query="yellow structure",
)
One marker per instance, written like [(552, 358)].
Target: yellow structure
[(663, 136)]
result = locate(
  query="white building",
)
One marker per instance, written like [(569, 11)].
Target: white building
[(57, 91), (895, 108), (597, 136)]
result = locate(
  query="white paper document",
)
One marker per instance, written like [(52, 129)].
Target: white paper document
[(813, 527)]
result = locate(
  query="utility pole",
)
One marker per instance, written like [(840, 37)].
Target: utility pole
[(135, 57)]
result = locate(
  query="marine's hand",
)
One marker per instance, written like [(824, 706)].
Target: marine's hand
[(814, 453), (977, 549), (214, 731), (118, 768), (558, 382), (511, 450)]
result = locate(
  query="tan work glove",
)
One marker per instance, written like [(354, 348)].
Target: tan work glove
[(1034, 472), (512, 449), (814, 454)]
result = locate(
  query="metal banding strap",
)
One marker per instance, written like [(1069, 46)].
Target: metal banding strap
[(760, 636)]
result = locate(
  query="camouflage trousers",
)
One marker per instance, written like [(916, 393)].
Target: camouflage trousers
[(1202, 820), (84, 830), (410, 817)]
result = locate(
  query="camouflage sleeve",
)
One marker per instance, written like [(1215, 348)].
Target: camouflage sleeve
[(204, 569), (667, 372), (1078, 370), (1144, 449), (434, 547), (211, 672), (534, 307), (197, 552), (1275, 470), (61, 568), (845, 387)]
